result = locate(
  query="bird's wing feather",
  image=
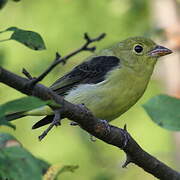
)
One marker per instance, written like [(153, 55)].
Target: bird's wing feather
[(92, 71)]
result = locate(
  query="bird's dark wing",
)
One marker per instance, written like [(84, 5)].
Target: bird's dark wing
[(89, 72)]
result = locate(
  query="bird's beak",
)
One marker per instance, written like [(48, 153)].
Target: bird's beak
[(159, 51)]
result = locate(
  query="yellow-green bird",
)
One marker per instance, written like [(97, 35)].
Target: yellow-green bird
[(108, 82)]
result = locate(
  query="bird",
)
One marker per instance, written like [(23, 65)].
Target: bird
[(108, 82)]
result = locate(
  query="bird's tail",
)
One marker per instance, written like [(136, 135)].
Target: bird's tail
[(13, 116), (46, 120)]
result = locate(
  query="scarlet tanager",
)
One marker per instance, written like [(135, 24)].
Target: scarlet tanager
[(108, 82)]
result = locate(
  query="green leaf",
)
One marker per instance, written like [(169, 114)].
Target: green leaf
[(3, 119), (55, 170), (19, 105), (30, 39), (6, 140), (23, 104), (11, 29), (164, 111), (2, 3), (4, 122), (17, 163)]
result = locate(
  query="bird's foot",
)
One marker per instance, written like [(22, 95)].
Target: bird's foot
[(56, 122), (57, 118)]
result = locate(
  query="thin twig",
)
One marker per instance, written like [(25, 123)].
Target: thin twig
[(27, 74), (64, 59), (56, 122)]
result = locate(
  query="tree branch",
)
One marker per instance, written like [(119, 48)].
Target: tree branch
[(63, 60), (80, 114), (109, 134)]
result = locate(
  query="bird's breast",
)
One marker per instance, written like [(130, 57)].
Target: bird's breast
[(112, 97)]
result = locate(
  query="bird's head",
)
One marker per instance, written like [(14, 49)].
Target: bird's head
[(140, 51)]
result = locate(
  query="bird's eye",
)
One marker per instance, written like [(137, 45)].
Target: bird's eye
[(138, 48)]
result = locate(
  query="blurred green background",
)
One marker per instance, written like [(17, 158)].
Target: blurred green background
[(62, 24)]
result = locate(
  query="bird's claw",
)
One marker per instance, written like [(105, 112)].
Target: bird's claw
[(56, 122), (57, 118)]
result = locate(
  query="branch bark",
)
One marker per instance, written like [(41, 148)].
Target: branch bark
[(86, 120), (107, 133)]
